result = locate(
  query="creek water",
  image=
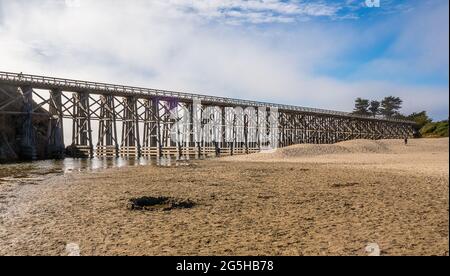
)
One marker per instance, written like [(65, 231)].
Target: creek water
[(16, 171)]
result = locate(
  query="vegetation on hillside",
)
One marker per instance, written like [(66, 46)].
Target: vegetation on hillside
[(435, 129), (390, 107)]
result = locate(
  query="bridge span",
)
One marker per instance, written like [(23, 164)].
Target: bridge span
[(135, 122)]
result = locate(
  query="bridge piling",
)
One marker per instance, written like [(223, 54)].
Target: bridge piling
[(55, 135), (107, 131), (28, 139), (130, 146), (82, 145)]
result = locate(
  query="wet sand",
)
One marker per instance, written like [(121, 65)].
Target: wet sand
[(322, 203)]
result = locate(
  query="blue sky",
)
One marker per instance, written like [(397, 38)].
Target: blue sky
[(309, 53)]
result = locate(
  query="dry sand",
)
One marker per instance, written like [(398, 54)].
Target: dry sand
[(302, 200), (420, 156)]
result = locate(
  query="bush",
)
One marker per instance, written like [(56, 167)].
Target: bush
[(437, 129), (428, 129), (442, 129)]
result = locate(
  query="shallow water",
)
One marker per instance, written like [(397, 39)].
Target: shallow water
[(68, 165)]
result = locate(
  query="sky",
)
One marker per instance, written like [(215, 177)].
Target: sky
[(319, 53)]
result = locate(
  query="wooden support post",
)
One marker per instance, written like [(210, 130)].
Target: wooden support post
[(107, 132), (28, 135), (81, 131), (130, 146), (55, 135)]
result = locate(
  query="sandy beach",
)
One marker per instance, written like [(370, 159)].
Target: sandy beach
[(301, 200)]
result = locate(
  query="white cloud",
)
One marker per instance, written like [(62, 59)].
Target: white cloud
[(182, 45), (254, 11)]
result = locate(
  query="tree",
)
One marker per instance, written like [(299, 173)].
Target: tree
[(374, 108), (390, 106), (421, 118), (361, 107)]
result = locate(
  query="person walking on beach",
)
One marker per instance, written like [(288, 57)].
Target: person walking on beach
[(406, 140)]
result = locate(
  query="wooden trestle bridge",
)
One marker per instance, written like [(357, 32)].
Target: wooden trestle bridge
[(141, 122)]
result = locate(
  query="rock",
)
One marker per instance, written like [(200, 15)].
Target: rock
[(11, 129), (6, 151)]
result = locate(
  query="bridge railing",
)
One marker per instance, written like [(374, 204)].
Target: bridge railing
[(51, 82)]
